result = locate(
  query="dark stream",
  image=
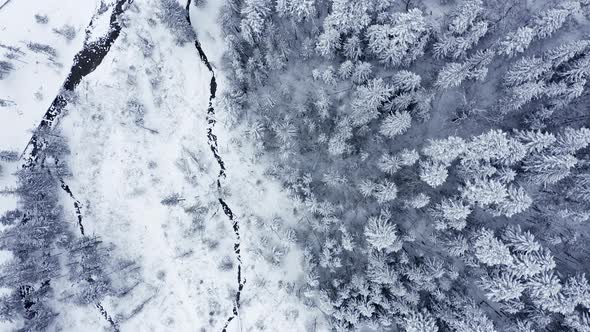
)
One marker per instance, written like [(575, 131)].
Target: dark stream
[(213, 145)]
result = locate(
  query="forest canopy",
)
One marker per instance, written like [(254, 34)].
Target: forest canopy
[(438, 150)]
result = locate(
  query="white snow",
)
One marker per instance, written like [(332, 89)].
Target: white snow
[(34, 83), (127, 158)]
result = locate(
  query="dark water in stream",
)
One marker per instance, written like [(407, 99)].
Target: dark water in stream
[(213, 145)]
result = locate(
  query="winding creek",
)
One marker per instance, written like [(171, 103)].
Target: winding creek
[(213, 145)]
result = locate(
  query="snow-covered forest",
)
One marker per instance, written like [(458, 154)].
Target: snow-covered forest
[(295, 165)]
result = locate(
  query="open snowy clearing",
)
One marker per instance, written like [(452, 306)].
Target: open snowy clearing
[(137, 132)]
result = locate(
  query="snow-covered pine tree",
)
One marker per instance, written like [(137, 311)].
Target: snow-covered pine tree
[(528, 264), (362, 72), (400, 42), (345, 70), (445, 150), (517, 41), (329, 76), (474, 67), (451, 213), (385, 191), (408, 157), (493, 145), (389, 164), (381, 234), (465, 15), (518, 201), (328, 43), (464, 30), (484, 192), (571, 140), (418, 201), (577, 290), (456, 47), (452, 75), (366, 101), (395, 124), (366, 187), (433, 173), (527, 69), (566, 52), (353, 48), (552, 19), (544, 169), (503, 286), (534, 140), (522, 94), (489, 250), (348, 16), (419, 321), (578, 321), (405, 81), (300, 10), (254, 16)]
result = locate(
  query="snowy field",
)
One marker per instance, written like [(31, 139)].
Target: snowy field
[(146, 179)]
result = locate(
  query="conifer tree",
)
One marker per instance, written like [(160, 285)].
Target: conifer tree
[(385, 191), (445, 150), (551, 20), (254, 17), (493, 145), (464, 16), (566, 52), (362, 72), (529, 264), (433, 173), (549, 169), (346, 69), (406, 81), (389, 163), (452, 214), (381, 234), (348, 16), (418, 201), (452, 75), (419, 322), (408, 157), (328, 43), (517, 41), (519, 240), (489, 250), (484, 192), (503, 287), (366, 101), (353, 49), (527, 69), (580, 322), (464, 30), (518, 201), (535, 140), (395, 124), (400, 42), (571, 140)]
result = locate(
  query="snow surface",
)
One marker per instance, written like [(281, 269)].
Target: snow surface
[(36, 80), (137, 133), (34, 83)]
